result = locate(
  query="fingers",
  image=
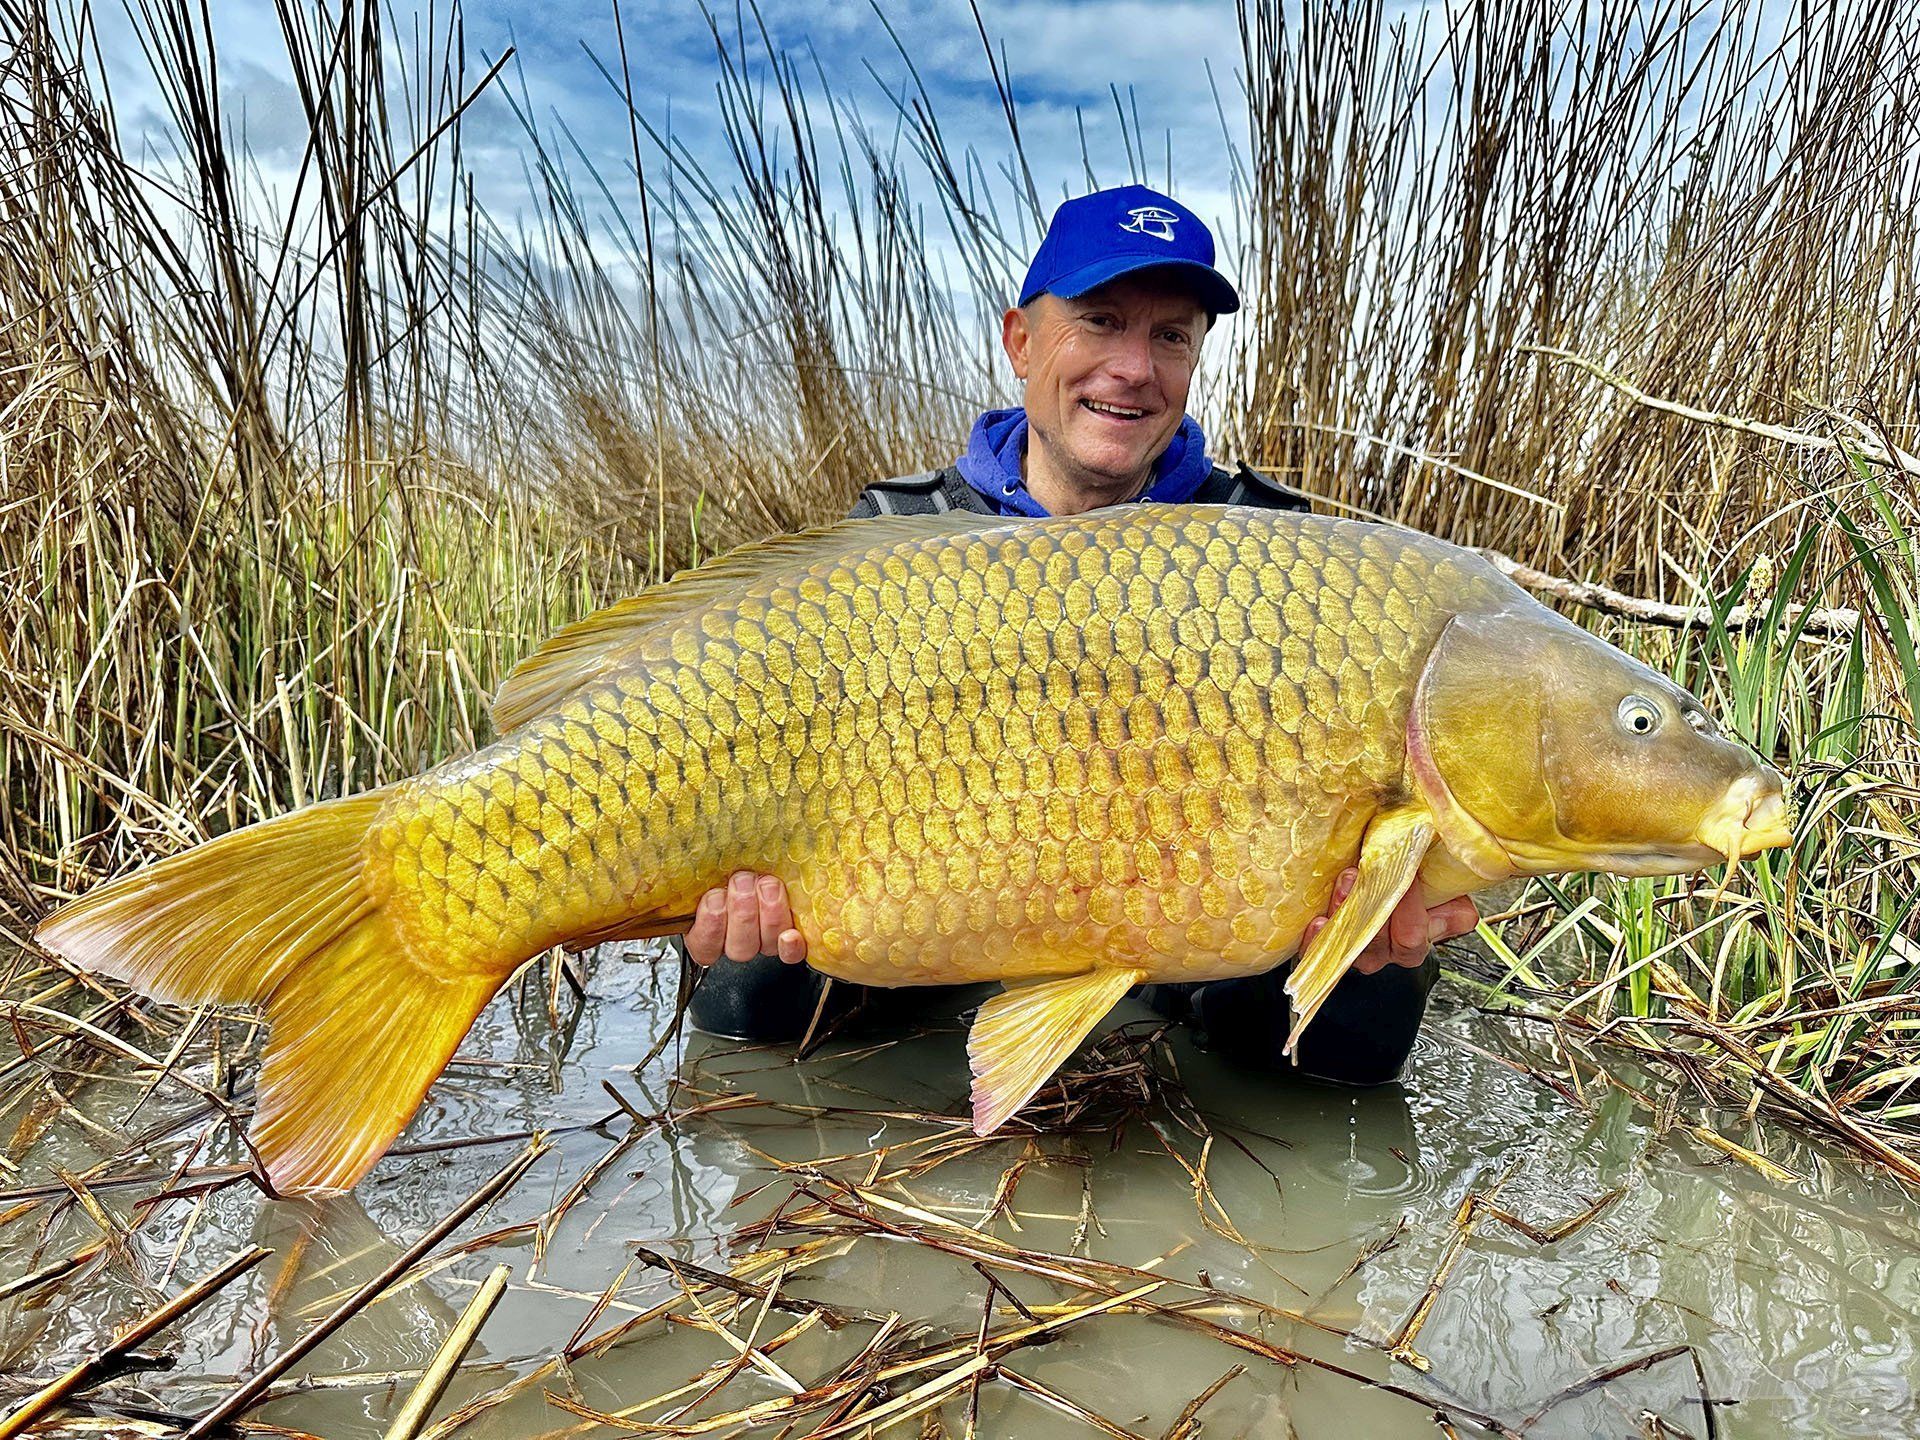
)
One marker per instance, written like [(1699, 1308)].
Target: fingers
[(743, 917), (1407, 931), (1456, 917), (774, 917), (1342, 887), (1401, 941), (1412, 931), (1343, 884), (707, 935), (750, 915), (777, 933)]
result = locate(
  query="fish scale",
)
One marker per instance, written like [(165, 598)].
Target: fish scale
[(996, 755), (1067, 754)]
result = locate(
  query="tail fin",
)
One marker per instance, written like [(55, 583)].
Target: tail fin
[(280, 915)]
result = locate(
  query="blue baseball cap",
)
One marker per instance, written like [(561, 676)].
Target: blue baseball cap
[(1110, 233)]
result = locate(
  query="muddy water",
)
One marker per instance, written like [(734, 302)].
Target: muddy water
[(1798, 1297)]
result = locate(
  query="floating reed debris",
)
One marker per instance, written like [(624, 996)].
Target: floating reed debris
[(772, 1305), (1606, 1376), (843, 1208), (115, 1356), (446, 1360), (249, 1393)]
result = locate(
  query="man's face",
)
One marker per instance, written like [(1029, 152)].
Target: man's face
[(1107, 373)]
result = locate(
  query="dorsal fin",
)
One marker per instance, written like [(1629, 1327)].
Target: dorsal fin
[(578, 655)]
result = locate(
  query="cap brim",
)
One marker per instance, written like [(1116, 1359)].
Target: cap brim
[(1209, 285)]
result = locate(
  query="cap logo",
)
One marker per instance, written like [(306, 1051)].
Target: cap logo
[(1154, 220)]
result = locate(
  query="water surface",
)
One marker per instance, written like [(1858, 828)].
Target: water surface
[(1797, 1297)]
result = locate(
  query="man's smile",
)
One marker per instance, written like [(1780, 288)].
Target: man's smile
[(1112, 411)]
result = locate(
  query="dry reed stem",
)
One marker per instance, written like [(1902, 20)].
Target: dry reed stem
[(446, 1360), (1820, 622), (1472, 1207), (250, 1392), (941, 1233), (110, 1358), (1861, 441), (1610, 1373)]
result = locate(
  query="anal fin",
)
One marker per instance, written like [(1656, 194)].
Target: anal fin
[(1022, 1035), (1390, 856)]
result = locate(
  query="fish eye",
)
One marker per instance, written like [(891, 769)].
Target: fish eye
[(1639, 715)]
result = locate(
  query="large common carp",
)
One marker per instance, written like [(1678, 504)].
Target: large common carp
[(1069, 754)]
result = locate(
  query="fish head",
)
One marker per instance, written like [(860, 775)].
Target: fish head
[(1544, 749)]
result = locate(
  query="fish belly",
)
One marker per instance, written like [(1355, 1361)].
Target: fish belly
[(1186, 883), (1021, 753)]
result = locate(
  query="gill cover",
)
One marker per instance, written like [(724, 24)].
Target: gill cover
[(1559, 752)]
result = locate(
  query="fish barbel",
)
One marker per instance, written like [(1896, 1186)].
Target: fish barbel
[(1069, 754)]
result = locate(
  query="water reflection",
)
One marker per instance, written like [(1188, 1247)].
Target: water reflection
[(1799, 1299)]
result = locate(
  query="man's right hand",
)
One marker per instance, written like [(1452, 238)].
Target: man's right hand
[(748, 916)]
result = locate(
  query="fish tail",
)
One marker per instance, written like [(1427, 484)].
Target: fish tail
[(284, 915)]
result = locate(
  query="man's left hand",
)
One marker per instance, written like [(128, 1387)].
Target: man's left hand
[(1410, 932)]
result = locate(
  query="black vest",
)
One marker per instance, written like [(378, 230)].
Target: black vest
[(937, 491)]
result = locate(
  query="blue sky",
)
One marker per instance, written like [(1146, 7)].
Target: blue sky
[(1065, 60), (1065, 57)]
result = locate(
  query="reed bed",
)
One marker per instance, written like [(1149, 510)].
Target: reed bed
[(286, 487)]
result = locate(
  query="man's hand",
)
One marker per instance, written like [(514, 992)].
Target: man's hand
[(1410, 931), (748, 916)]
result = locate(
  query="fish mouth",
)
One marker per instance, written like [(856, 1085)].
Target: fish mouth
[(1751, 818)]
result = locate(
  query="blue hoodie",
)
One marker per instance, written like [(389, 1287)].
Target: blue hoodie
[(999, 440)]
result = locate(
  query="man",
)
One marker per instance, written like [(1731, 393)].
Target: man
[(1105, 338)]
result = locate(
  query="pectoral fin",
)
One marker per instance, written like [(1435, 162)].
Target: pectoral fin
[(1021, 1036), (1390, 857)]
